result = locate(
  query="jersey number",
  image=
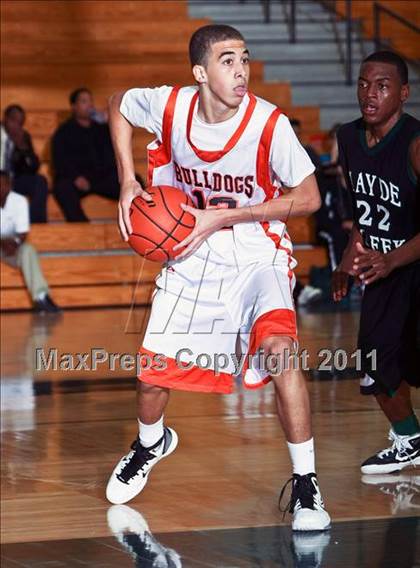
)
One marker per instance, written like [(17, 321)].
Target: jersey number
[(366, 219), (201, 201)]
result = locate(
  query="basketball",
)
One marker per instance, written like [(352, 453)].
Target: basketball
[(160, 224)]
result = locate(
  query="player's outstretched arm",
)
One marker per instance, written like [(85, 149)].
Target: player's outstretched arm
[(121, 134), (298, 201), (304, 199)]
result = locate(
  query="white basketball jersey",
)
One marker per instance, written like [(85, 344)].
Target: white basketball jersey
[(238, 174)]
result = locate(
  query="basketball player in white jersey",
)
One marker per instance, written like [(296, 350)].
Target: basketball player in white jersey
[(237, 157)]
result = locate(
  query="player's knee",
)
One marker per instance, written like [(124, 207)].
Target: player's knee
[(278, 344), (148, 389), (278, 351)]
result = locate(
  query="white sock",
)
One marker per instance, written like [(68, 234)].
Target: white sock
[(41, 296), (302, 456), (149, 434)]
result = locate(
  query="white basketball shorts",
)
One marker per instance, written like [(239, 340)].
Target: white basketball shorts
[(208, 321)]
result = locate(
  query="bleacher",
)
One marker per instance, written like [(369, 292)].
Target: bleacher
[(89, 264), (50, 48), (400, 37)]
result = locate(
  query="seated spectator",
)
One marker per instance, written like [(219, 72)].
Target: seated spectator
[(83, 158), (19, 159), (14, 228)]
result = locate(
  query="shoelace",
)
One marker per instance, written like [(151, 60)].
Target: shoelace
[(289, 504), (302, 490), (399, 443), (140, 458), (392, 438)]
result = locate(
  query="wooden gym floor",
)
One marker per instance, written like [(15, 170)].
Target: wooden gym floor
[(214, 502)]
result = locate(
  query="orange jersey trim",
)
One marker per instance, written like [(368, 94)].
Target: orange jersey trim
[(163, 154), (275, 237), (277, 242), (174, 377), (263, 155), (213, 156)]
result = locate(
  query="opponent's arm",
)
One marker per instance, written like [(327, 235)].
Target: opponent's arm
[(303, 199), (121, 135)]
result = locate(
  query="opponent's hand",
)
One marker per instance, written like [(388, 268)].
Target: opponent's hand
[(340, 277), (371, 265), (207, 222), (339, 284), (129, 191)]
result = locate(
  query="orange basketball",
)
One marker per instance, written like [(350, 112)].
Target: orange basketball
[(160, 224)]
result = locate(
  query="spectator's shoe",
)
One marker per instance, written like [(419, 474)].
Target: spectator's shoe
[(132, 471), (46, 305), (131, 530), (405, 490), (306, 504), (308, 548), (309, 295), (405, 451)]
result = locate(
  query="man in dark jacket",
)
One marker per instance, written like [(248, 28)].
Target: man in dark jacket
[(83, 158), (20, 161)]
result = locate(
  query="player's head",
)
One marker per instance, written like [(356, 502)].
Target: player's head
[(5, 185), (382, 87), (220, 62), (81, 102), (13, 118)]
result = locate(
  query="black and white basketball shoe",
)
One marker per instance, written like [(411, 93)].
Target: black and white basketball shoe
[(132, 471), (404, 451), (306, 504)]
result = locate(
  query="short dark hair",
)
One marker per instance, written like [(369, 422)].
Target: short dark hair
[(393, 59), (74, 95), (12, 108), (295, 122), (203, 38)]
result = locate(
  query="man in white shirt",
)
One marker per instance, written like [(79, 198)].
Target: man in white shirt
[(14, 228)]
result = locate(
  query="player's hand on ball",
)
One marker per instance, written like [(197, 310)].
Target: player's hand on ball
[(129, 191), (371, 265), (207, 222)]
